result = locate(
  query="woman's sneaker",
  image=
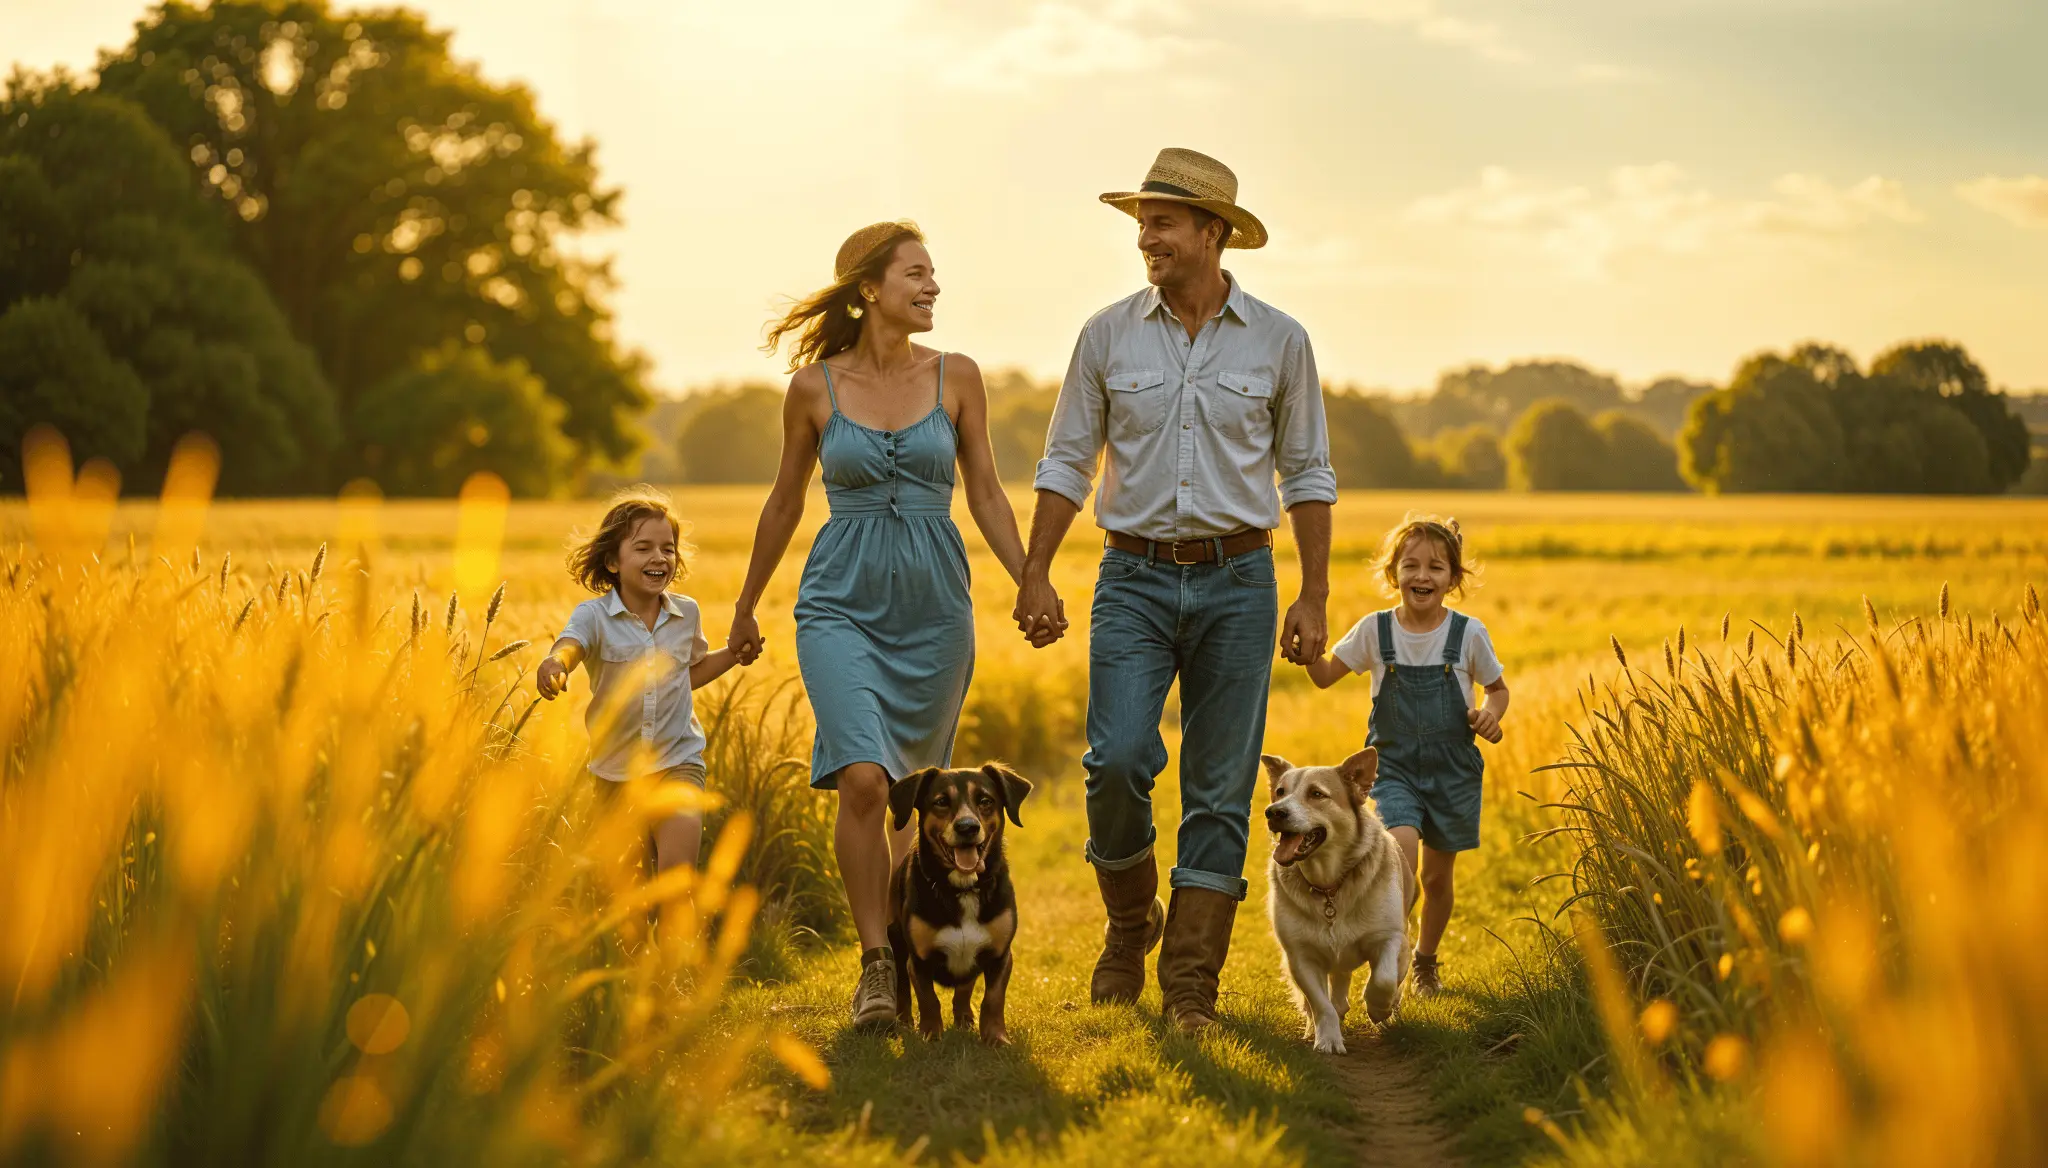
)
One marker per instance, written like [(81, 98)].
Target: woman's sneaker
[(1428, 980), (874, 996)]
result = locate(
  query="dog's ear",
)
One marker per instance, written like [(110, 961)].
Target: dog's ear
[(1013, 786), (1359, 771), (908, 793), (1275, 766)]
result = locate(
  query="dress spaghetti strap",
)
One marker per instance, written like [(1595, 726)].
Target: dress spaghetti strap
[(942, 382), (830, 394)]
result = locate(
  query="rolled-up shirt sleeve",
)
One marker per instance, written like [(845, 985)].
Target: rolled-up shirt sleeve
[(1301, 434), (1074, 440)]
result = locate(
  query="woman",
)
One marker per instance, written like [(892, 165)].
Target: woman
[(885, 626)]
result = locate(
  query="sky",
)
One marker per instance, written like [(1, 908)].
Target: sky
[(1652, 187)]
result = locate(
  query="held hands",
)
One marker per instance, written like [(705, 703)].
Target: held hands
[(1040, 613), (1485, 723), (745, 639), (1305, 633)]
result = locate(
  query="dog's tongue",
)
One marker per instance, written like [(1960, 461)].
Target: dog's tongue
[(967, 859), (1288, 847)]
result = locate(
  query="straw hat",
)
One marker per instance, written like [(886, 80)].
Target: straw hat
[(1183, 176), (861, 244)]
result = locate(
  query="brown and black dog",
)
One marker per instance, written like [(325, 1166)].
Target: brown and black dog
[(952, 912)]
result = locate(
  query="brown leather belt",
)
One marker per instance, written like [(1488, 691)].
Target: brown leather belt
[(1191, 551)]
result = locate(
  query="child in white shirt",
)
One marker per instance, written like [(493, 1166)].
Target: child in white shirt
[(645, 650), (1426, 662)]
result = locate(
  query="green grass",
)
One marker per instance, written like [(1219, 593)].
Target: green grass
[(1079, 1078)]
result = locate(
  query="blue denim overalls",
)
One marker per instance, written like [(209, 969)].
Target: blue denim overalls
[(1429, 768)]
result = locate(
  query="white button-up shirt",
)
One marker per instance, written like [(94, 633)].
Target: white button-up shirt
[(641, 716), (1197, 430)]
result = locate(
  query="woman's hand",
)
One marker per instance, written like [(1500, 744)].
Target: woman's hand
[(745, 639)]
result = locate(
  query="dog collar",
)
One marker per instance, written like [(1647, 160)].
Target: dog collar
[(1329, 894)]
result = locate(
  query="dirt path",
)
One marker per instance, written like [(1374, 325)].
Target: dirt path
[(1395, 1128)]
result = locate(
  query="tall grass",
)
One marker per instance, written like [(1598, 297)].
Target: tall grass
[(758, 757), (284, 882), (1813, 875)]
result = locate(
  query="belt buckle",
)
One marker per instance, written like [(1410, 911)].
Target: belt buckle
[(1197, 544)]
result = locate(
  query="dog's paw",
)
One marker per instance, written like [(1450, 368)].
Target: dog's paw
[(995, 1036), (1380, 1016), (1331, 1043)]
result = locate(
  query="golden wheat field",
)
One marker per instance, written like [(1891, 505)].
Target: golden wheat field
[(298, 870)]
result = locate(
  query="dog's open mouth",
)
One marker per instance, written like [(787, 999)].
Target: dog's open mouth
[(968, 857), (1296, 845)]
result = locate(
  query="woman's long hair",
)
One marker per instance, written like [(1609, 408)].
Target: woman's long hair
[(828, 321)]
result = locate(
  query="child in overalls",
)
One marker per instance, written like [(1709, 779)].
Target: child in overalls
[(1425, 662)]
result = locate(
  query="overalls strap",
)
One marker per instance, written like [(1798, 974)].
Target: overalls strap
[(1454, 643), (1387, 636)]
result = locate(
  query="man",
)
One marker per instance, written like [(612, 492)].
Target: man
[(1201, 395)]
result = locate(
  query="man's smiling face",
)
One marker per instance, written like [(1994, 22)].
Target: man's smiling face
[(1177, 243)]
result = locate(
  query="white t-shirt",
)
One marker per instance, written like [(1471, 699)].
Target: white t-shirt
[(1359, 650), (641, 713)]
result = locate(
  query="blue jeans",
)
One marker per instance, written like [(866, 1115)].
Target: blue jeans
[(1214, 625)]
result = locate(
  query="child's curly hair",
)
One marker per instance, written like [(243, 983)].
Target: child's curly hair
[(587, 558), (1443, 532)]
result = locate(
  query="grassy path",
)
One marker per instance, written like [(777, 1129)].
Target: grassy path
[(1083, 1083)]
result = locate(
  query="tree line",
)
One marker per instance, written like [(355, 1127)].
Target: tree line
[(1922, 419), (314, 235)]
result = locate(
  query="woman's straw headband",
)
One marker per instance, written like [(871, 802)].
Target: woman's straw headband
[(863, 244)]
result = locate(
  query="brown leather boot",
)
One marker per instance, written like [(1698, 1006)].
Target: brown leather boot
[(1197, 940), (1136, 918)]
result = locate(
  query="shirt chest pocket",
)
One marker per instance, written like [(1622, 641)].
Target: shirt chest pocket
[(1240, 405), (644, 665), (1137, 402)]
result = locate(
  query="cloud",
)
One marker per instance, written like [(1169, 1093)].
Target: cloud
[(1655, 208), (1058, 41), (1806, 204), (1425, 18), (2022, 200)]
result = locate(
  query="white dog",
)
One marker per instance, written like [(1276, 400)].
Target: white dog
[(1338, 894)]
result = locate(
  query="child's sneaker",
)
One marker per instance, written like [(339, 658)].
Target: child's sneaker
[(1427, 981), (874, 996)]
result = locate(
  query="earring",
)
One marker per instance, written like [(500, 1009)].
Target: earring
[(854, 311)]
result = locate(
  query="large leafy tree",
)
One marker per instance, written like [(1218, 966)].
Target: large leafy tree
[(1637, 456), (1471, 457), (1554, 447), (1945, 369), (1921, 420), (1772, 429), (454, 412), (126, 320), (1367, 448), (391, 197)]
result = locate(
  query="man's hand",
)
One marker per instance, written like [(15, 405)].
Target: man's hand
[(551, 678), (1485, 723), (745, 639), (1306, 632), (1040, 613)]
